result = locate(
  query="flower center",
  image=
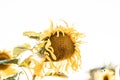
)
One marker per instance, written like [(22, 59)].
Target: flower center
[(4, 56), (63, 46), (105, 77)]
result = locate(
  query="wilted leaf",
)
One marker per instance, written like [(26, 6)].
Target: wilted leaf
[(20, 49), (4, 62), (26, 62), (11, 77), (32, 34), (46, 38), (57, 74)]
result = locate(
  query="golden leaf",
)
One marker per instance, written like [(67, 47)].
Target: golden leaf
[(20, 49)]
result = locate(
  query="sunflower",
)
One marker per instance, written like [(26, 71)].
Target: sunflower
[(59, 48), (6, 69), (102, 74)]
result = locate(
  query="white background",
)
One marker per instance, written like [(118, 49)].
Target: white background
[(98, 19)]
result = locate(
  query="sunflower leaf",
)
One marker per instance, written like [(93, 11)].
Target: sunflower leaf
[(4, 62), (20, 49), (32, 34), (26, 62), (11, 77), (46, 38)]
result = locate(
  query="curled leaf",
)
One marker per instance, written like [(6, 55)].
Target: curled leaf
[(11, 77), (5, 62), (32, 34), (20, 49), (26, 62), (57, 74)]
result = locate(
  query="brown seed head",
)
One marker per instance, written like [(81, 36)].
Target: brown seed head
[(106, 77), (4, 56), (62, 45)]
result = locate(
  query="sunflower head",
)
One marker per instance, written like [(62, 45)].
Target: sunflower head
[(61, 42), (4, 55), (102, 74), (6, 68), (61, 45), (58, 47)]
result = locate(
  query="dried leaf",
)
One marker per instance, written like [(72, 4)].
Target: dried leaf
[(20, 49), (4, 62), (57, 74), (32, 34), (26, 62), (11, 77)]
